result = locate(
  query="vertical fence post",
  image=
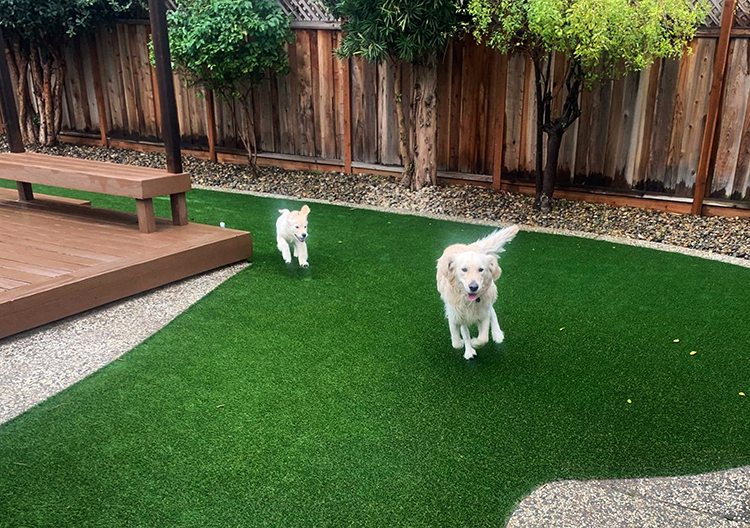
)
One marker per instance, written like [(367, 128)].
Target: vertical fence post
[(714, 102), (347, 118), (497, 163), (98, 90), (211, 124)]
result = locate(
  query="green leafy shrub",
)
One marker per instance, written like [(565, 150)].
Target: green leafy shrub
[(229, 46)]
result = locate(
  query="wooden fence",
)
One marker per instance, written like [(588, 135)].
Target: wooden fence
[(641, 133)]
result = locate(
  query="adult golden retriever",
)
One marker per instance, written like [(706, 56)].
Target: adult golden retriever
[(466, 276)]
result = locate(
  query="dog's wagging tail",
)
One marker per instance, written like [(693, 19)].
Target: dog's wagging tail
[(493, 243)]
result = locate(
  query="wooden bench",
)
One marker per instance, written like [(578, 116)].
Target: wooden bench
[(141, 183)]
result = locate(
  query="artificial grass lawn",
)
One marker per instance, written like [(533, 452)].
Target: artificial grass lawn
[(332, 397)]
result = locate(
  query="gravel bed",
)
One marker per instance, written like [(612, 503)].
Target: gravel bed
[(726, 236)]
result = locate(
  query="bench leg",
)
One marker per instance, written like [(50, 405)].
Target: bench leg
[(179, 209), (146, 218), (25, 193)]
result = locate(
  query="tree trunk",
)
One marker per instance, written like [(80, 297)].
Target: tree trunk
[(554, 141), (555, 130), (47, 95), (539, 158), (18, 60), (403, 143), (37, 78), (248, 135), (425, 101), (57, 91)]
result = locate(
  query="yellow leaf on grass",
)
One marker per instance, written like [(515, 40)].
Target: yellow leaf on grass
[(676, 341), (563, 328), (693, 352), (742, 393), (629, 401)]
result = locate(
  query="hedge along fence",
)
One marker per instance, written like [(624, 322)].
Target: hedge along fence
[(640, 133)]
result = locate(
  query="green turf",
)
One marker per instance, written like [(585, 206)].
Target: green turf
[(332, 397)]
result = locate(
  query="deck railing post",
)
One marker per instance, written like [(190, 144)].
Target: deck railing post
[(714, 102), (168, 105)]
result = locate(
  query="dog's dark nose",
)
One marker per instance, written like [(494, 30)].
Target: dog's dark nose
[(473, 286), (304, 236)]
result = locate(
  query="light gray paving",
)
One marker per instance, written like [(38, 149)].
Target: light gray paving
[(646, 503)]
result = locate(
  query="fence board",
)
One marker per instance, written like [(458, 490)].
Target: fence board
[(730, 129), (514, 112), (364, 111), (325, 101)]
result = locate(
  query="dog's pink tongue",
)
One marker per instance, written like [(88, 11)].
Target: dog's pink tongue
[(472, 296)]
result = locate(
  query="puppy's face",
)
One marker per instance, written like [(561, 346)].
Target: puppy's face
[(475, 272), (297, 222)]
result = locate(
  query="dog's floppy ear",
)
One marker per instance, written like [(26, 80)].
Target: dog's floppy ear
[(446, 267), (305, 210), (495, 269)]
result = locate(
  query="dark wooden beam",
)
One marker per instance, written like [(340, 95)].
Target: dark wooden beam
[(211, 124), (170, 128), (714, 102), (497, 163), (8, 102), (347, 82)]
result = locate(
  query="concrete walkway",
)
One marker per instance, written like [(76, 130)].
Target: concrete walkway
[(711, 500)]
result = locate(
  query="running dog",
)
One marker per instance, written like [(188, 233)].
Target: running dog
[(466, 276), (291, 228)]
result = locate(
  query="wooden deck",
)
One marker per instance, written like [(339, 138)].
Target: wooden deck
[(61, 257)]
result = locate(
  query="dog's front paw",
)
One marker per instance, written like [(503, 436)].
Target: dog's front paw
[(470, 353), (498, 337), (288, 260), (304, 264), (478, 343), (457, 343)]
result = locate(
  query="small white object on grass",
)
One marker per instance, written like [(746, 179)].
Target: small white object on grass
[(222, 224)]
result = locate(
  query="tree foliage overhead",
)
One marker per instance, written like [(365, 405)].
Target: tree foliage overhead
[(228, 45), (600, 39), (606, 38), (52, 20), (405, 29)]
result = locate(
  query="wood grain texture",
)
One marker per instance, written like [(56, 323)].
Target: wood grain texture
[(730, 126), (93, 176), (713, 106), (50, 273)]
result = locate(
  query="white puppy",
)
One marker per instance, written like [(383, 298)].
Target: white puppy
[(466, 276), (291, 228)]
